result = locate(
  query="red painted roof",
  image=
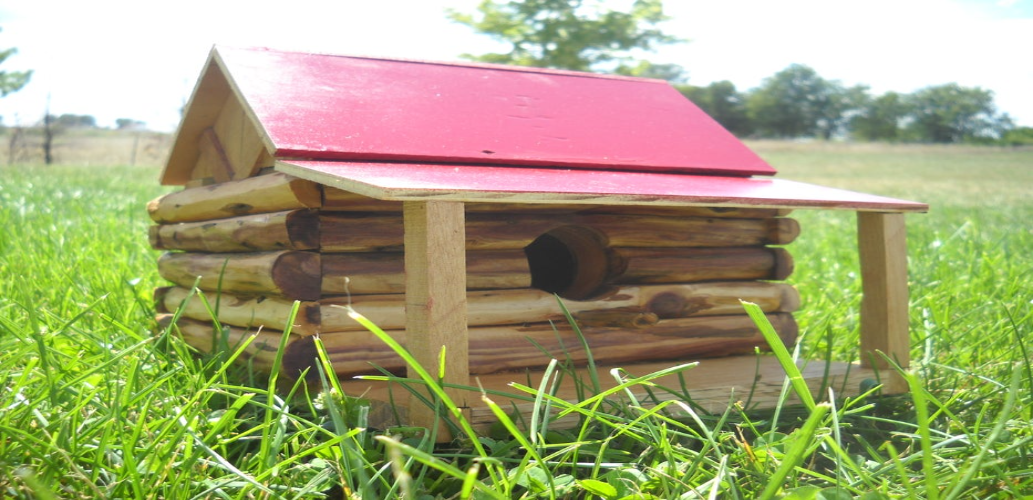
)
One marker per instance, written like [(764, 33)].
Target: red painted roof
[(472, 183), (329, 107)]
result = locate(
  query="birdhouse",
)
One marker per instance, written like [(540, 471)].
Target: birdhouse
[(456, 206)]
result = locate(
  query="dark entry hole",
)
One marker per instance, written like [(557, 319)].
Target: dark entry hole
[(553, 266), (570, 261)]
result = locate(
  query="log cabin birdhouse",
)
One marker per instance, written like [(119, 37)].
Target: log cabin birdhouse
[(451, 204)]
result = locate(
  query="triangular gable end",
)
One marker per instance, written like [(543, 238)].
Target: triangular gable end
[(219, 138)]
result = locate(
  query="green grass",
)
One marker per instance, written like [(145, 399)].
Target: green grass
[(93, 405)]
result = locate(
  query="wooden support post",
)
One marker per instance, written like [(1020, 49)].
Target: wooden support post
[(435, 297), (882, 248)]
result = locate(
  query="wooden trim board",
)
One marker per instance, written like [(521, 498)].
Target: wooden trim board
[(513, 184), (713, 384), (435, 296), (882, 250)]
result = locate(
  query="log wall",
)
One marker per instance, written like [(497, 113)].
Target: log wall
[(644, 283)]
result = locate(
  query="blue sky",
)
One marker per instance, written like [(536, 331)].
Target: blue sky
[(139, 59)]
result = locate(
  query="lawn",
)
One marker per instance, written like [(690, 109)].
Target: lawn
[(94, 405)]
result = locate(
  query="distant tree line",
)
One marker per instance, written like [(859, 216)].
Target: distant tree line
[(797, 102)]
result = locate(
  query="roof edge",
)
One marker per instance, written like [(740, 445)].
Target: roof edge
[(480, 184), (462, 64)]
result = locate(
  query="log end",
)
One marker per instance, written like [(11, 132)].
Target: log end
[(787, 328), (303, 229), (308, 193), (154, 237), (159, 298), (789, 300), (154, 209), (298, 275), (783, 231), (783, 264)]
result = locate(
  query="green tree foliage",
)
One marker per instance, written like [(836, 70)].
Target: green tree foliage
[(952, 113), (128, 124), (571, 34), (1018, 136), (881, 118), (797, 102), (723, 103), (841, 105), (74, 121), (11, 81)]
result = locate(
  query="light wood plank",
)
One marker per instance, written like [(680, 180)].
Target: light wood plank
[(508, 184), (755, 382), (435, 296), (882, 248), (240, 142), (211, 158), (209, 94)]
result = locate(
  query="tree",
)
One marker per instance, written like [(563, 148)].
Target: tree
[(723, 103), (841, 104), (1018, 136), (881, 118), (12, 81), (567, 34), (797, 102), (952, 113), (128, 124), (75, 121)]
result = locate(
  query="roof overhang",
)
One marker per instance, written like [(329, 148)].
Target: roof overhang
[(507, 184)]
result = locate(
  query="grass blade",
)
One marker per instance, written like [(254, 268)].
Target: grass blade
[(781, 353)]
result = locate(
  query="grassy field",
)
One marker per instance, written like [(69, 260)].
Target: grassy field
[(93, 405)]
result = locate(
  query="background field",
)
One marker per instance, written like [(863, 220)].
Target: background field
[(92, 406)]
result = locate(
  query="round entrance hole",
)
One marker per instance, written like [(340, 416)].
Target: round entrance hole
[(570, 261)]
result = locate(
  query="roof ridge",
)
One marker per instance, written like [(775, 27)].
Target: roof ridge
[(461, 64)]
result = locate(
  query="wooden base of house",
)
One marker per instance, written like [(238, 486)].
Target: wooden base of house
[(712, 385)]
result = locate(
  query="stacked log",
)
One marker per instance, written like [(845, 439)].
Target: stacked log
[(644, 283)]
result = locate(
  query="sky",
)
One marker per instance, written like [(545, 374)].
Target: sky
[(140, 59)]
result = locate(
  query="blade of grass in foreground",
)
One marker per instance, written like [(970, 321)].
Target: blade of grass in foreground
[(780, 352), (430, 380), (803, 437)]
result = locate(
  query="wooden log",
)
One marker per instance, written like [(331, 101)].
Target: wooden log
[(339, 200), (617, 318), (636, 304), (498, 349), (288, 230), (346, 201), (380, 273), (303, 275), (262, 194), (244, 311), (519, 306), (351, 232), (290, 274), (260, 353), (661, 265)]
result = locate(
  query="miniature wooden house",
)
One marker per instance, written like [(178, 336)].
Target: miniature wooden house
[(449, 203)]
